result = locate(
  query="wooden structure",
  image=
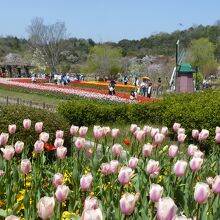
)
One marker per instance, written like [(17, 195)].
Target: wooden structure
[(12, 65)]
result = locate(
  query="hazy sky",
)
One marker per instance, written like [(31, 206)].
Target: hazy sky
[(108, 20)]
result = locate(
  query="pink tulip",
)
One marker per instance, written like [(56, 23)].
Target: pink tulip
[(38, 146), (125, 175), (92, 214), (133, 128), (140, 135), (2, 173), (115, 133), (217, 138), (39, 127), (8, 152), (192, 149), (90, 203), (195, 133), (164, 131), (147, 129), (203, 135), (61, 152), (216, 185), (209, 181), (105, 169), (158, 138), (82, 131), (58, 179), (74, 129), (154, 131), (106, 131), (114, 166), (156, 191), (153, 168), (166, 209), (116, 150), (180, 168), (25, 166), (173, 151), (58, 142), (12, 217), (27, 123), (61, 193), (97, 132), (80, 143), (86, 182), (195, 164), (198, 153), (59, 134), (182, 217), (12, 129), (4, 138), (127, 203), (201, 192), (147, 148), (181, 131), (176, 126), (217, 130), (132, 163), (45, 207), (138, 129), (181, 138), (19, 146), (44, 137)]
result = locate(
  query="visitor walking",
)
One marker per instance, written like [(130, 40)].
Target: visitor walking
[(149, 90), (111, 88)]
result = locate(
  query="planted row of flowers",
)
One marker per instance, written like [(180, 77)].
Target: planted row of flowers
[(140, 175)]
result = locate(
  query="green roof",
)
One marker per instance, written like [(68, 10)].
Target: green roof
[(185, 68)]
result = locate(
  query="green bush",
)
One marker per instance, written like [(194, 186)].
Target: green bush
[(16, 114)]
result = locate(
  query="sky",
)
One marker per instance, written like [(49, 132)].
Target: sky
[(108, 20)]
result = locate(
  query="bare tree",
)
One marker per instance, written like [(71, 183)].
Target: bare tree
[(48, 40)]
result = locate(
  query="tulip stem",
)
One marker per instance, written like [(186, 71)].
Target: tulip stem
[(198, 212)]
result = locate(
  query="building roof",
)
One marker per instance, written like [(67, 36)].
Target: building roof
[(185, 68)]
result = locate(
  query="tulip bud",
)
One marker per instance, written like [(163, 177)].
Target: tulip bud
[(116, 150), (217, 130), (74, 129), (201, 193), (195, 164), (153, 168), (182, 217), (158, 138), (173, 151), (82, 131), (154, 131), (61, 152), (39, 127), (115, 133), (180, 168), (61, 193), (203, 135), (132, 163), (209, 181), (58, 142), (38, 146), (166, 209), (133, 128), (199, 154), (90, 203), (147, 148), (127, 203), (181, 131), (4, 138), (156, 191), (98, 132), (12, 217), (8, 152), (106, 131), (216, 185), (125, 175), (27, 123), (44, 137), (105, 169), (217, 138), (91, 214), (181, 138), (11, 129), (2, 173), (191, 149), (19, 146), (195, 134), (86, 182), (25, 166), (176, 126), (140, 135), (45, 207), (80, 143), (114, 166), (59, 134), (164, 131), (57, 179)]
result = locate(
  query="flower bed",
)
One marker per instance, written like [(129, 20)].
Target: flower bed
[(135, 174)]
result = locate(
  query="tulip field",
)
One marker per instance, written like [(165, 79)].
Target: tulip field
[(107, 173)]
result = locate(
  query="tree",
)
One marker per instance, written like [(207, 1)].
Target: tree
[(48, 40), (201, 53), (104, 60)]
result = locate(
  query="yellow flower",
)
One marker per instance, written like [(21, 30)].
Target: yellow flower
[(68, 215), (160, 179), (91, 193)]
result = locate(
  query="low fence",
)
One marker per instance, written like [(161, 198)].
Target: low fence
[(6, 100)]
